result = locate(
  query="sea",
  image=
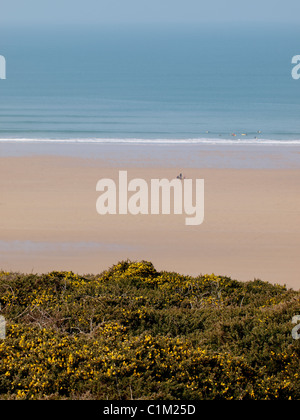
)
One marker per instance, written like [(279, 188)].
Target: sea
[(150, 84)]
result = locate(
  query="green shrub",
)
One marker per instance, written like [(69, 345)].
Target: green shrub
[(133, 332)]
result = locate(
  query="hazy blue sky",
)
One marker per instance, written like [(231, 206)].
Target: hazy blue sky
[(144, 11)]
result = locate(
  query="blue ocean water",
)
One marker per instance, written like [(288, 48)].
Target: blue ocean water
[(151, 84)]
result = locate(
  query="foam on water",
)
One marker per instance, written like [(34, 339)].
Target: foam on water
[(208, 141)]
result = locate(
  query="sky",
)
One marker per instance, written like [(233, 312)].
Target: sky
[(41, 12)]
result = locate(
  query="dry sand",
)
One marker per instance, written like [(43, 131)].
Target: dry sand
[(48, 221)]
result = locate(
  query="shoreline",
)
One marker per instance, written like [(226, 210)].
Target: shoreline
[(227, 156), (49, 222)]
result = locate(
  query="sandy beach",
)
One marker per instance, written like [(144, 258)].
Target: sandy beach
[(48, 221)]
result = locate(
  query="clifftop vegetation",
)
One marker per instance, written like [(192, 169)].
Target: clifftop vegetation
[(132, 332)]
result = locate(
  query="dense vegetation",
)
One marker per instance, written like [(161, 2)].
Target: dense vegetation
[(135, 333)]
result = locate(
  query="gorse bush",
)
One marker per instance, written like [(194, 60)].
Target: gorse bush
[(135, 333)]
